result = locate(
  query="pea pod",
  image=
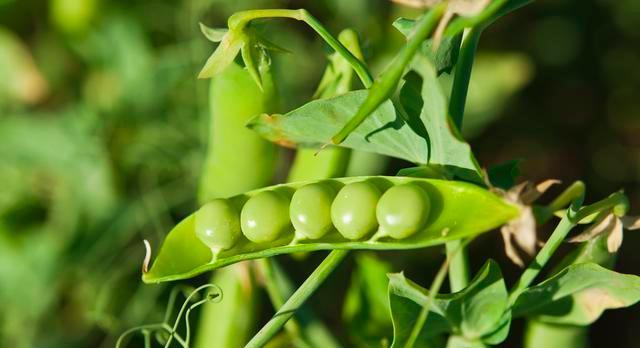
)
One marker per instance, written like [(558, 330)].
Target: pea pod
[(456, 210)]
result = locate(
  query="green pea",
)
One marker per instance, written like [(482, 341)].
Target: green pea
[(354, 210), (310, 210), (403, 210), (218, 224), (265, 217)]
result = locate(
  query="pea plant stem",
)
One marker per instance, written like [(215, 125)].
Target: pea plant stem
[(462, 76), (617, 203), (424, 312), (541, 259), (277, 299), (459, 264), (242, 18), (305, 290), (433, 292)]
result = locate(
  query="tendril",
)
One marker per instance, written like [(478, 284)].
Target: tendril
[(165, 333)]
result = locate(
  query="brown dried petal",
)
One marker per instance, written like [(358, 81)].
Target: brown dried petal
[(531, 194), (417, 3), (514, 193), (603, 224), (509, 249), (468, 8), (614, 241), (442, 25), (524, 231)]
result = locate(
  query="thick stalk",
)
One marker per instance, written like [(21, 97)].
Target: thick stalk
[(462, 76), (305, 290), (459, 266)]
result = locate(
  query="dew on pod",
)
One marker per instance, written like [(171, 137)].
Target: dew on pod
[(217, 224), (310, 210), (353, 211), (265, 217), (403, 210)]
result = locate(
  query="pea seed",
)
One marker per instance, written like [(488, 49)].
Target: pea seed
[(310, 210), (265, 217), (217, 224), (403, 210), (353, 212)]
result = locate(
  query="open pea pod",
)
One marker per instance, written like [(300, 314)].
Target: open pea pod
[(373, 212)]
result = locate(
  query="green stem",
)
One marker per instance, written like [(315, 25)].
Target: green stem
[(542, 257), (459, 269), (458, 266), (572, 192), (305, 290), (433, 292), (575, 190), (462, 76), (384, 87), (240, 19), (617, 202), (277, 299)]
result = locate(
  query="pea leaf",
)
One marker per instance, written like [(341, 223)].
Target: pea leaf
[(444, 57), (446, 147), (474, 313), (424, 137), (384, 132), (578, 295)]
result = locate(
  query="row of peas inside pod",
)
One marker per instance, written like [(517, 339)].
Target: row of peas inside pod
[(355, 210), (373, 213)]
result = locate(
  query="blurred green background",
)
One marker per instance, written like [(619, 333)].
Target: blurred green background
[(103, 131)]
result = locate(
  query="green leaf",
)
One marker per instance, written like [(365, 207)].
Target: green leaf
[(444, 57), (446, 147), (578, 295), (312, 124), (430, 139), (213, 34), (366, 306), (473, 313)]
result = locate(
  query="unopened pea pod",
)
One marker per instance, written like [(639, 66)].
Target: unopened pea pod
[(455, 210)]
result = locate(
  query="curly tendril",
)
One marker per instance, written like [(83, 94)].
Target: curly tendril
[(165, 333)]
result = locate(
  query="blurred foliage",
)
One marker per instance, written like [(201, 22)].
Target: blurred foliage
[(102, 137)]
